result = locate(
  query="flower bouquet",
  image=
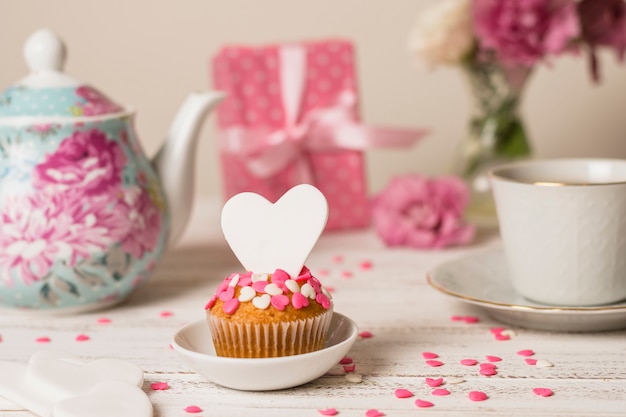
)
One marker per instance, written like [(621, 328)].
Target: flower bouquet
[(497, 44)]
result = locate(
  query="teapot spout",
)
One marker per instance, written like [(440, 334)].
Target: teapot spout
[(175, 160)]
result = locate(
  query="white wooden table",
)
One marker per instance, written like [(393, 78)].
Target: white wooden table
[(391, 300)]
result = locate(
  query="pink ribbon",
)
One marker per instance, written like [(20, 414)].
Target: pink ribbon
[(332, 128)]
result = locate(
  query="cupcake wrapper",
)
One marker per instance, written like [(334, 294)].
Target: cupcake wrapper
[(267, 340)]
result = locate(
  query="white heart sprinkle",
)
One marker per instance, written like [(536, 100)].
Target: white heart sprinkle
[(246, 294), (508, 332), (259, 277), (261, 302), (542, 363), (292, 285), (354, 378), (234, 281), (454, 380), (308, 291), (272, 289)]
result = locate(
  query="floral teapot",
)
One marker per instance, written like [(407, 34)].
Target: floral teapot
[(84, 215)]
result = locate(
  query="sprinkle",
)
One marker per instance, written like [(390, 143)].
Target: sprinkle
[(456, 318), (166, 313), (454, 380), (246, 294), (429, 355), (530, 361), (469, 362), (82, 338), (542, 363), (338, 259), (349, 368), (354, 378), (262, 301), (423, 403), (434, 382), (373, 413), (231, 306), (259, 286), (346, 360), (525, 352), (346, 274), (159, 386), (488, 371), (193, 409), (323, 272), (42, 340), (256, 277), (103, 320), (493, 358), (329, 288), (328, 412), (402, 393), (508, 332), (471, 319), (502, 337), (299, 301), (477, 396), (434, 363), (440, 392), (292, 286), (487, 365), (365, 334), (280, 301), (273, 289), (497, 330), (210, 303), (234, 281), (365, 265), (543, 392)]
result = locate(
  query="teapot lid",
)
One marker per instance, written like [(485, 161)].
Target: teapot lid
[(47, 91)]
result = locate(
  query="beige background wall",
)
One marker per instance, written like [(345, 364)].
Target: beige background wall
[(150, 53)]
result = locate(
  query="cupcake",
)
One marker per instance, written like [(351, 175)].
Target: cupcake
[(259, 315)]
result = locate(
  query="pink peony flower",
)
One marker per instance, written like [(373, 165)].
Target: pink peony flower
[(422, 213), (85, 161), (96, 102), (144, 222), (522, 32), (41, 228), (603, 23)]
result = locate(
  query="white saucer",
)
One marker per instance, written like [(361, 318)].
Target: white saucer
[(193, 341), (482, 279)]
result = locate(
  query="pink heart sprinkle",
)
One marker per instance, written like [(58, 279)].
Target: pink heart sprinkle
[(44, 339), (349, 368), (429, 355), (487, 365), (166, 313), (231, 306), (82, 338), (280, 302), (366, 265), (402, 393), (299, 301), (365, 334), (337, 259), (457, 318), (211, 302), (434, 363), (434, 382), (440, 392), (345, 361), (471, 319), (373, 413), (346, 274), (423, 403), (469, 362), (328, 412), (103, 320), (497, 330), (193, 409), (526, 352), (502, 337), (259, 286), (493, 358), (543, 392), (488, 371), (477, 396), (159, 386), (530, 361)]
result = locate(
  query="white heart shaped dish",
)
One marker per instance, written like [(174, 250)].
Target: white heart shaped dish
[(194, 343), (266, 236)]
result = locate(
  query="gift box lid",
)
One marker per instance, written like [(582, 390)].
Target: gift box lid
[(47, 91)]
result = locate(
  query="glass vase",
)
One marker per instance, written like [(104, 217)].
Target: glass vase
[(495, 132)]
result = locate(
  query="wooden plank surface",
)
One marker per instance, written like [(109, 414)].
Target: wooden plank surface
[(391, 300)]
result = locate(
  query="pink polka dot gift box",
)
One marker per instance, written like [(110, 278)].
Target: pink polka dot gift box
[(290, 117)]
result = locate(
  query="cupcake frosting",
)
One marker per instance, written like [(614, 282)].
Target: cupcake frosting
[(277, 291)]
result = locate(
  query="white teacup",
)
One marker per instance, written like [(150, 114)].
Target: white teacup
[(563, 227)]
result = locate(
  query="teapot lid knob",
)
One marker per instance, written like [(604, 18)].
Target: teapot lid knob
[(44, 51)]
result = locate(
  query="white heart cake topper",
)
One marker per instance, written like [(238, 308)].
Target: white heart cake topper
[(266, 236)]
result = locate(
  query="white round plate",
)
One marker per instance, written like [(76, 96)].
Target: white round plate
[(482, 279), (193, 341)]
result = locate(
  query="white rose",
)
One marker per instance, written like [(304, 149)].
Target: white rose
[(443, 34)]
